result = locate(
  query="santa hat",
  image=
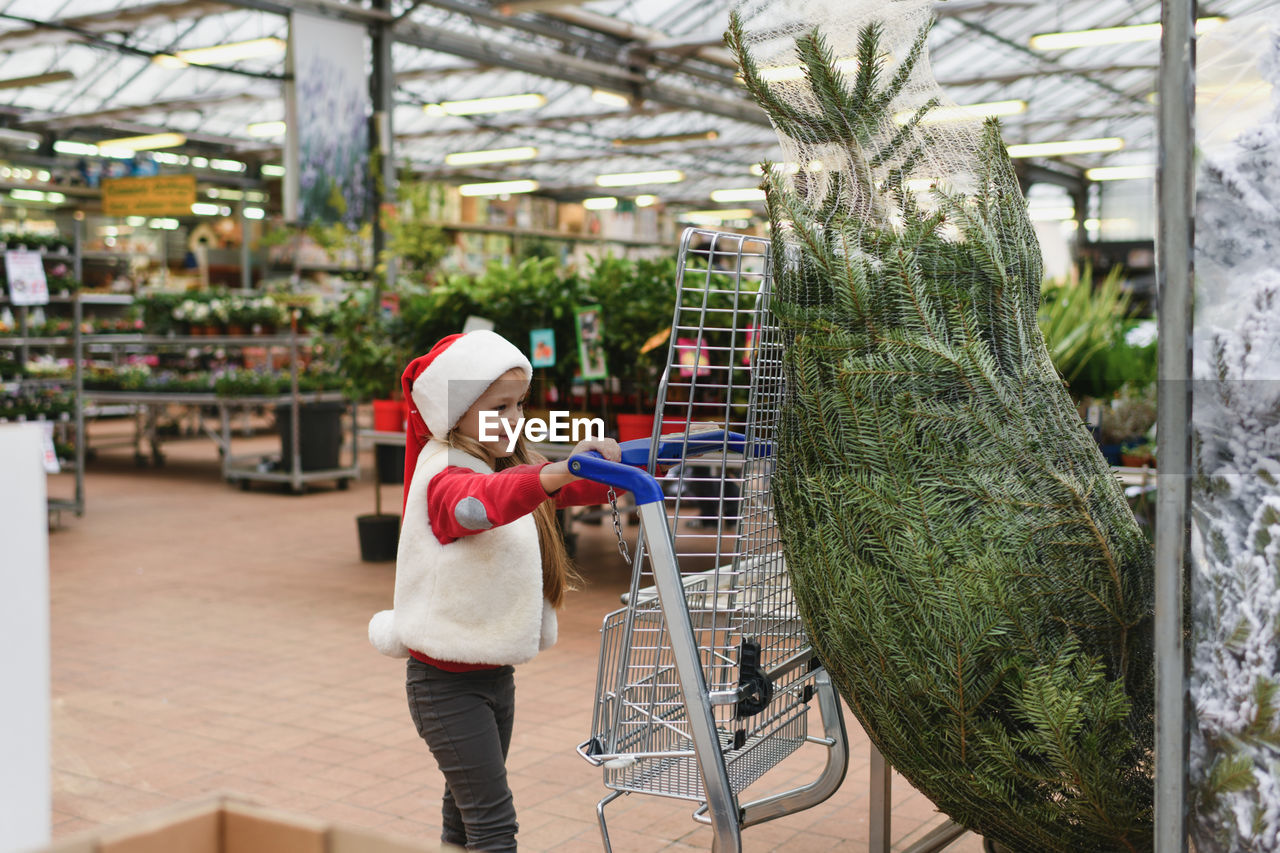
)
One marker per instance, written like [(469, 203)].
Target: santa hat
[(440, 386)]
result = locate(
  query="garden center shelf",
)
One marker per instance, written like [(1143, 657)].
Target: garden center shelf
[(69, 429), (295, 465)]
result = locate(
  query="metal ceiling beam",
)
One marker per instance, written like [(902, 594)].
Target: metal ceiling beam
[(578, 71), (124, 20), (532, 124), (326, 8), (1047, 71), (195, 102)]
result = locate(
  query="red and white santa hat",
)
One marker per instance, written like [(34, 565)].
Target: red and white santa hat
[(440, 386)]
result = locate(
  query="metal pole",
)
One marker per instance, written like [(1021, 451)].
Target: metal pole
[(881, 827), (1175, 194), (77, 351), (383, 87), (246, 259)]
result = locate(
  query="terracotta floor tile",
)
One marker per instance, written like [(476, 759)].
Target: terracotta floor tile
[(208, 640)]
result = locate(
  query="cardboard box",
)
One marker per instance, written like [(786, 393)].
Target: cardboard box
[(230, 825)]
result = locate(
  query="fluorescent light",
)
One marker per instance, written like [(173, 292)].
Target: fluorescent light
[(1120, 173), (499, 104), (20, 137), (785, 73), (746, 194), (164, 224), (135, 221), (646, 200), (200, 162), (129, 144), (268, 128), (55, 198), (26, 195), (168, 60), (170, 159), (271, 170), (613, 99), (221, 54), (202, 209), (494, 155), (714, 216), (967, 112), (600, 203), (77, 149), (627, 179), (1070, 146), (498, 188), (1110, 35), (254, 213), (227, 165)]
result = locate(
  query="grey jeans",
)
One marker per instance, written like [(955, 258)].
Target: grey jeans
[(465, 718)]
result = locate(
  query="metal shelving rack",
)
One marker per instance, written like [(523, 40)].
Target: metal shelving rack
[(245, 468), (24, 342)]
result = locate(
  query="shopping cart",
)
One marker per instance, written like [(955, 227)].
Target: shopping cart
[(706, 674)]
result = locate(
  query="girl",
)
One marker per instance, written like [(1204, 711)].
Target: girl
[(480, 571)]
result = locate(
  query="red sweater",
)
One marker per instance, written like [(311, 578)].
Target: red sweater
[(462, 502)]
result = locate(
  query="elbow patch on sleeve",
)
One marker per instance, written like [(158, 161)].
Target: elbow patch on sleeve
[(470, 514)]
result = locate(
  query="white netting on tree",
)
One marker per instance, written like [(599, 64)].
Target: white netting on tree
[(1235, 680), (919, 136), (966, 564)]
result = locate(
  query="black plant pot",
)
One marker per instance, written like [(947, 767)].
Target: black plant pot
[(379, 536), (319, 435), (390, 461)]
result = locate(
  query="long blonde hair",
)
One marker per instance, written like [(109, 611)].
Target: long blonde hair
[(558, 572)]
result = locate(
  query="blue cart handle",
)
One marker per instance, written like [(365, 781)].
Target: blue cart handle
[(629, 474), (593, 466)]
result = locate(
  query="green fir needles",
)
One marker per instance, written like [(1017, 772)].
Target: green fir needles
[(965, 562)]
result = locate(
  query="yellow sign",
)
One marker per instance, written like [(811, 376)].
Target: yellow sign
[(159, 195)]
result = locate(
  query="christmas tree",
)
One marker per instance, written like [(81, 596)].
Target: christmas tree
[(1235, 676), (966, 564)]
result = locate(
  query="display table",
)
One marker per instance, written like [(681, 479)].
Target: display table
[(245, 468)]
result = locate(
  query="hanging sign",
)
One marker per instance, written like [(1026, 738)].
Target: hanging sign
[(27, 283), (591, 344), (157, 195), (542, 345), (692, 357), (49, 451)]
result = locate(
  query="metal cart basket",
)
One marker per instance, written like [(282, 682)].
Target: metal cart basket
[(706, 674)]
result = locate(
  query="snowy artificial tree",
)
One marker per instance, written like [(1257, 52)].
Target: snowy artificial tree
[(1235, 679), (966, 564)]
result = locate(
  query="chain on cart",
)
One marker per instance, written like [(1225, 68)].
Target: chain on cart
[(706, 675)]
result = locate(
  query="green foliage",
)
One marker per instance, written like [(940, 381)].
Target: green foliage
[(365, 347), (632, 295), (967, 567), (411, 236), (636, 300), (1083, 326)]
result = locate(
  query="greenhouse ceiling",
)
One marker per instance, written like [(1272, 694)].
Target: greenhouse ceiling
[(620, 85)]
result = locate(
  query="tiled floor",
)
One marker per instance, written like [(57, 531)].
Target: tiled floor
[(209, 640)]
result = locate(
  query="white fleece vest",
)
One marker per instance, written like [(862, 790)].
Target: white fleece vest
[(476, 600)]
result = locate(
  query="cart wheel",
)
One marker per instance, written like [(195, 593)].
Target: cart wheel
[(244, 485), (140, 460), (157, 459), (344, 484), (300, 489)]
